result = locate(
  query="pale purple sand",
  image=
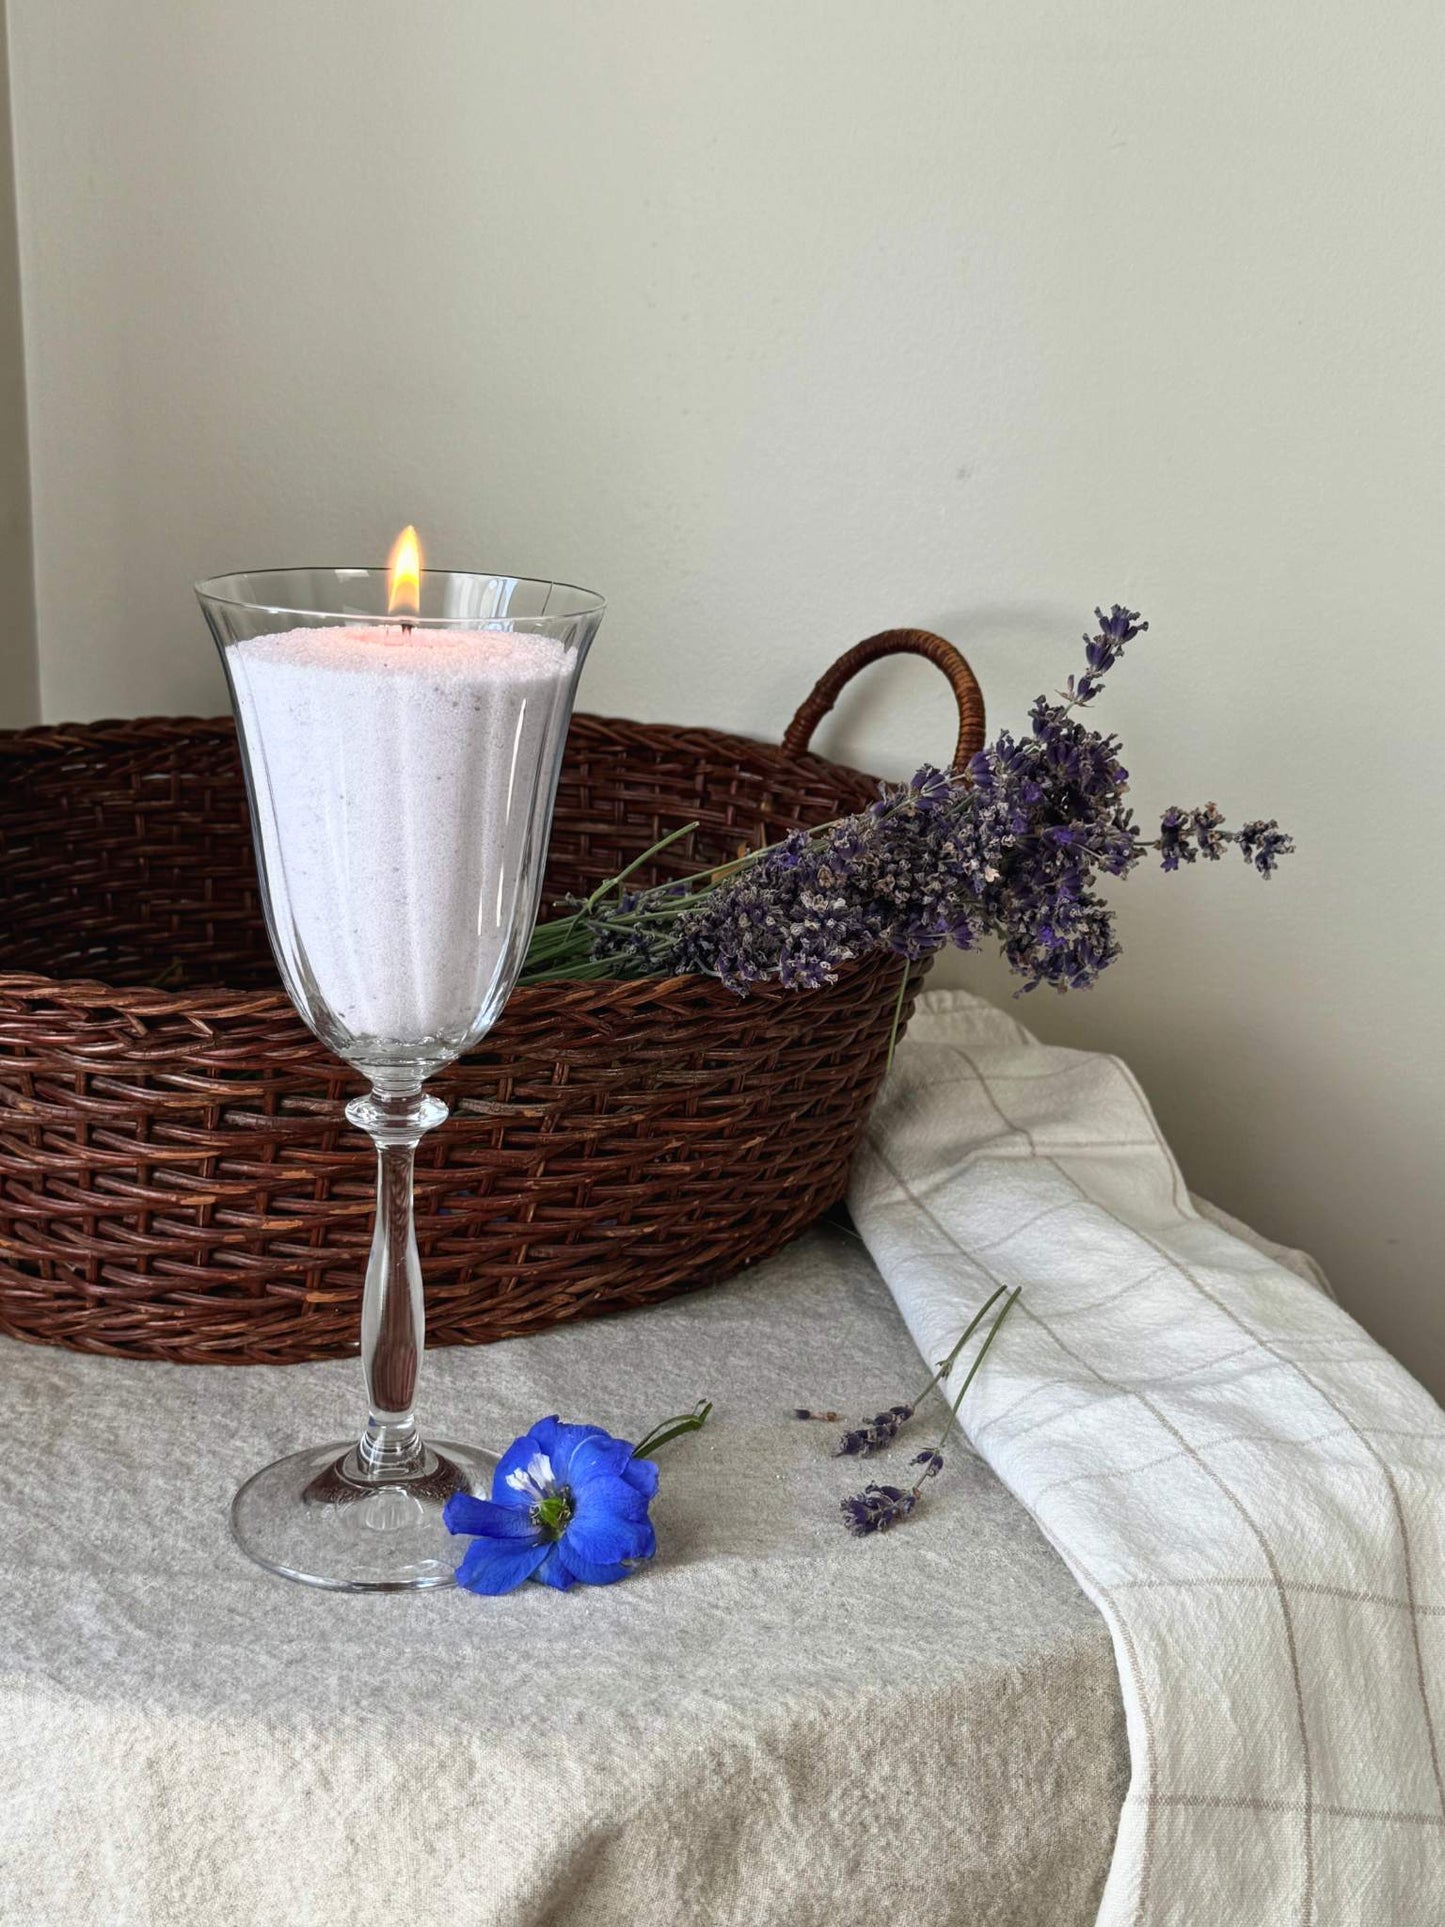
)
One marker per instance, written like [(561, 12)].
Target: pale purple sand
[(397, 777)]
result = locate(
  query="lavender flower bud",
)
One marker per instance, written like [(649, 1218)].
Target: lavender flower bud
[(1208, 827), (1263, 844), (1120, 625), (1174, 845), (930, 788), (876, 1508), (874, 1434)]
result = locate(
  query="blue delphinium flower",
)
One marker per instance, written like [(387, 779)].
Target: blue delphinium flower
[(568, 1506)]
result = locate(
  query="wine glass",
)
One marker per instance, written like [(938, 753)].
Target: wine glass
[(401, 770)]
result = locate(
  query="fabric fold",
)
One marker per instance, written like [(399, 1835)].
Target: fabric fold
[(1244, 1483)]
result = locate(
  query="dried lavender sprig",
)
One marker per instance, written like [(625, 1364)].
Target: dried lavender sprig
[(557, 934), (1012, 848), (614, 941), (878, 1507), (596, 939), (1102, 651), (903, 977), (935, 1456), (615, 883), (873, 1434)]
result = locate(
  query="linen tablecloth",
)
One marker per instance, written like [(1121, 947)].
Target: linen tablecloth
[(775, 1723)]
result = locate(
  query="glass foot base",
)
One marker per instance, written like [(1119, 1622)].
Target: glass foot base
[(315, 1517)]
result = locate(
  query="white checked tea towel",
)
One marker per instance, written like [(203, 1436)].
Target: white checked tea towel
[(1251, 1490)]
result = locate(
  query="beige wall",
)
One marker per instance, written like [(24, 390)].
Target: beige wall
[(19, 676), (782, 322)]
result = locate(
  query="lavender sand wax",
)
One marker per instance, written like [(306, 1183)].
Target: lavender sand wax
[(386, 819)]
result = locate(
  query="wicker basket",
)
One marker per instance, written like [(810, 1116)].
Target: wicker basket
[(176, 1176)]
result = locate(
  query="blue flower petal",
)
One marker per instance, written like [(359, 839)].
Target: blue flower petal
[(607, 1542), (517, 1457), (463, 1513), (564, 1445), (552, 1572), (602, 1534), (508, 1495), (544, 1433), (598, 1456), (555, 1441), (494, 1566), (641, 1475), (606, 1493), (591, 1572)]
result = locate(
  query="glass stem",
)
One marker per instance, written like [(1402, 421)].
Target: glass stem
[(393, 1310)]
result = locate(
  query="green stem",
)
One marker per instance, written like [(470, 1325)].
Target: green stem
[(672, 1428), (973, 1368), (602, 889), (814, 832), (584, 970), (947, 1366), (553, 938), (898, 1013), (718, 871), (555, 953)]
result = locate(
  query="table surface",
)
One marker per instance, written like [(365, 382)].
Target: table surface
[(773, 1722)]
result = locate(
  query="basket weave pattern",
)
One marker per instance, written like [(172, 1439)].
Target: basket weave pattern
[(177, 1179)]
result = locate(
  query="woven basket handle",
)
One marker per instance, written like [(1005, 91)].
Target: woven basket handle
[(894, 642)]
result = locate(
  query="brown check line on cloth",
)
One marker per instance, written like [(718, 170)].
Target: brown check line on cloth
[(1244, 1483)]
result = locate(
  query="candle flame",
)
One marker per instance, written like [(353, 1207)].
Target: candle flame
[(403, 574)]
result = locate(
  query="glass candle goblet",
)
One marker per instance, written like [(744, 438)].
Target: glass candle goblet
[(401, 772)]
